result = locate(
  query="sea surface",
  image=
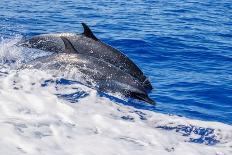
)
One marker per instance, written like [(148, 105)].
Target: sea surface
[(184, 47)]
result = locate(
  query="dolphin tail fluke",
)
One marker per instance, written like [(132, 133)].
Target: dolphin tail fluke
[(143, 97)]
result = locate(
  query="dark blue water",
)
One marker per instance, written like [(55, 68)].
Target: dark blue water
[(185, 47)]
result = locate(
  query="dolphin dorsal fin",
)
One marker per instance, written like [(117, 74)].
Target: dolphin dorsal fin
[(88, 33), (69, 48)]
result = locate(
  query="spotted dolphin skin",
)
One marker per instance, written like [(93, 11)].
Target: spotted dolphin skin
[(88, 44), (96, 73)]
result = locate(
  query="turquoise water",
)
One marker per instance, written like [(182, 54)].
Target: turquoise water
[(185, 47)]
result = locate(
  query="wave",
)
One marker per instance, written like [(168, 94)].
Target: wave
[(46, 114)]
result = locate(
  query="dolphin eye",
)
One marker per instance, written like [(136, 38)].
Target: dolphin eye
[(120, 67)]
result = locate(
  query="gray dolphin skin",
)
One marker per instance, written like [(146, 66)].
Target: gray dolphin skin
[(106, 76), (87, 44)]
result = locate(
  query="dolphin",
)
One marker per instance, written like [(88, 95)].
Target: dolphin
[(87, 43), (97, 73)]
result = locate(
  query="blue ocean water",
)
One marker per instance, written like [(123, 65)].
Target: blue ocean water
[(185, 47)]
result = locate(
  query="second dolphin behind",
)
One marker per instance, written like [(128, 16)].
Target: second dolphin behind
[(96, 73), (88, 44)]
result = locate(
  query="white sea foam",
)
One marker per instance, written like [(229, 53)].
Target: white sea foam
[(37, 117)]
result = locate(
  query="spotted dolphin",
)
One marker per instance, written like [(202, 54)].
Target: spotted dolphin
[(87, 43), (97, 73)]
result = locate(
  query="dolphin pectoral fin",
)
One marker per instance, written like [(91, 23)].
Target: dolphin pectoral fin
[(69, 48), (142, 97), (147, 84), (88, 33)]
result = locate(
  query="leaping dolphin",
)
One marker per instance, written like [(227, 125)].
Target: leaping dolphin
[(88, 44), (106, 76)]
